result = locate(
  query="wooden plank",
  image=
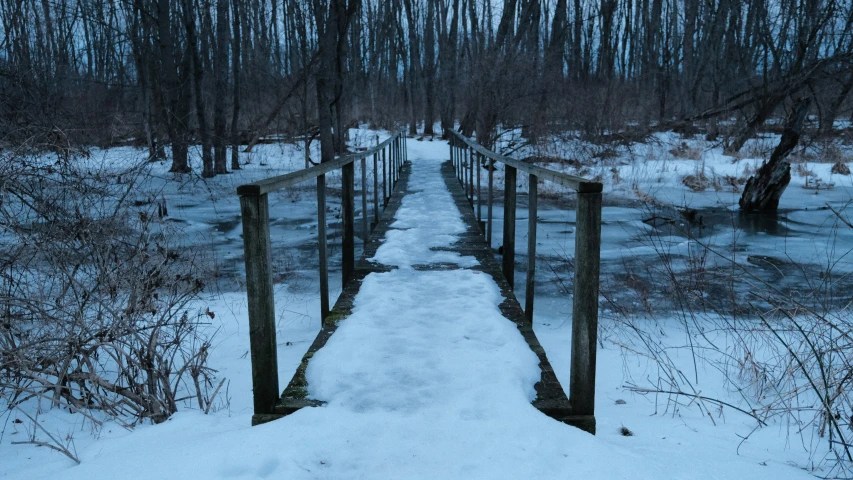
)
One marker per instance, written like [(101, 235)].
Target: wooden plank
[(585, 305), (259, 289), (321, 247), (509, 225), (578, 183), (347, 222), (531, 247)]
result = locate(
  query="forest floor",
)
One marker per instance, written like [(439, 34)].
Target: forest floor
[(648, 252)]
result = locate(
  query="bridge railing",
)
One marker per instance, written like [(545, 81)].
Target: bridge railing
[(468, 157), (254, 204)]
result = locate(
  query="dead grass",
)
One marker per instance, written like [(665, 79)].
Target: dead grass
[(687, 152)]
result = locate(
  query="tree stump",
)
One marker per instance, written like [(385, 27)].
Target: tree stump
[(763, 190)]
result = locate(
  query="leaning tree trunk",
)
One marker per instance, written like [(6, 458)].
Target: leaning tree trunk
[(763, 190)]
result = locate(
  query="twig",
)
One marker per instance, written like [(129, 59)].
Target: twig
[(694, 396)]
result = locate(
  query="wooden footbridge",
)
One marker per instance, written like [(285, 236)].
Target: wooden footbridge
[(473, 191)]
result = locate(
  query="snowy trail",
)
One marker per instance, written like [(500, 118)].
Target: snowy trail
[(425, 340), (424, 380)]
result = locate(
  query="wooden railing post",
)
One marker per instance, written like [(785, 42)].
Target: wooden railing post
[(490, 199), (470, 175), (396, 160), (348, 223), (458, 164), (392, 163), (531, 247), (259, 288), (479, 196), (364, 228), (321, 247), (465, 171), (585, 307), (509, 226), (376, 188), (384, 178)]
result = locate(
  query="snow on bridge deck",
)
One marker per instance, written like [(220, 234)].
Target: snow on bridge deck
[(427, 316)]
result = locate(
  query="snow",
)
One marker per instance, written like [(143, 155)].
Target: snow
[(426, 379), (419, 225)]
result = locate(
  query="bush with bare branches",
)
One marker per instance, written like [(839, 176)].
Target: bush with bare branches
[(95, 298)]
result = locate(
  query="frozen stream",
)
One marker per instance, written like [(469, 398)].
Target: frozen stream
[(646, 259)]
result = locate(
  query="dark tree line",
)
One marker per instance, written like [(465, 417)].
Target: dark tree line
[(223, 73)]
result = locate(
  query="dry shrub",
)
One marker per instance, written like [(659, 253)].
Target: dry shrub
[(685, 151), (832, 153), (95, 306), (840, 169), (801, 170), (698, 182)]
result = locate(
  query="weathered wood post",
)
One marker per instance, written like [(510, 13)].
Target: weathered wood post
[(470, 175), (259, 288), (585, 307), (508, 262), (376, 188), (531, 246), (364, 228), (489, 203), (384, 178), (321, 247), (393, 165), (479, 196), (348, 223)]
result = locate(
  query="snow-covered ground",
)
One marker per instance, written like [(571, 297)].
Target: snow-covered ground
[(453, 401)]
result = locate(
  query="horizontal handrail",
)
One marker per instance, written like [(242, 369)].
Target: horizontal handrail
[(580, 184), (272, 184)]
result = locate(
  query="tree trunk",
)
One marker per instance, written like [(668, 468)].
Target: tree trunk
[(763, 190), (220, 63), (763, 111), (173, 104), (429, 69), (448, 60), (326, 28), (235, 74), (197, 77)]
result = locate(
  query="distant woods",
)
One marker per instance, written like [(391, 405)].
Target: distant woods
[(216, 74)]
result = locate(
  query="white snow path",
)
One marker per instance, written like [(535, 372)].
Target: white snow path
[(427, 218), (425, 340), (425, 380)]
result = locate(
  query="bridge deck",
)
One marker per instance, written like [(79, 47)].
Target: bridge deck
[(550, 397)]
